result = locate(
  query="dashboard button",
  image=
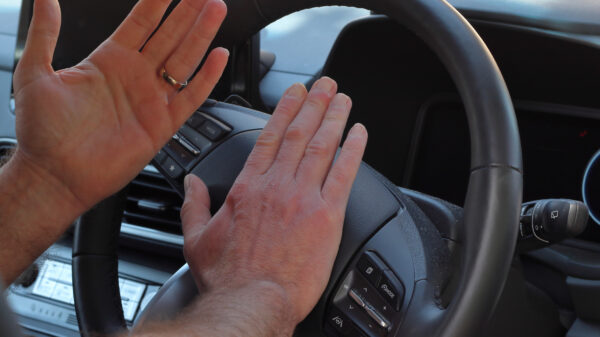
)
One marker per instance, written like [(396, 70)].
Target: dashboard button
[(391, 289)]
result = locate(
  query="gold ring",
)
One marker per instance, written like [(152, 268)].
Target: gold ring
[(176, 84)]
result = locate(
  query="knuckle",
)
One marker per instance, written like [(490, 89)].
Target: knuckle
[(237, 193), (254, 162), (193, 6), (339, 176), (333, 116), (141, 21), (336, 113), (319, 96), (267, 139), (295, 133), (326, 215), (316, 102), (318, 149), (287, 106)]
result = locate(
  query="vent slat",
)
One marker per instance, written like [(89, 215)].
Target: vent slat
[(166, 188), (144, 217), (152, 203)]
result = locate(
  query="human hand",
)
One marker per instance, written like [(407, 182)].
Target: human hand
[(281, 224), (91, 128)]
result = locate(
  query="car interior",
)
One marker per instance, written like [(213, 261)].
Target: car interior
[(476, 211)]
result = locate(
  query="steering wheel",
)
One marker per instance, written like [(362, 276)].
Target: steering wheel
[(421, 288)]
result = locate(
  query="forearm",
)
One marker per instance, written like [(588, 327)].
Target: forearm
[(258, 310), (35, 209)]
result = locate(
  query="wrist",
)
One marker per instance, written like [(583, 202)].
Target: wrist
[(47, 186), (257, 309), (260, 306), (35, 209)]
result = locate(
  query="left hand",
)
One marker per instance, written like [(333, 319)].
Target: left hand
[(91, 128), (278, 232)]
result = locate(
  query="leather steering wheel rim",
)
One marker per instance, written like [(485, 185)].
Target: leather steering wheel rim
[(494, 195)]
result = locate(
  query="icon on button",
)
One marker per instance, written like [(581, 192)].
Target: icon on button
[(369, 271), (338, 321)]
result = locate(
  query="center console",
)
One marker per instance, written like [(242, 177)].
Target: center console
[(44, 303)]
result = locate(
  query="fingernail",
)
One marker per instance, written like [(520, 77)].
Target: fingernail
[(325, 84), (225, 50), (297, 90), (346, 99), (358, 127), (187, 184)]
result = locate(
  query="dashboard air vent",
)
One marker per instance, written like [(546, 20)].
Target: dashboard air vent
[(152, 203)]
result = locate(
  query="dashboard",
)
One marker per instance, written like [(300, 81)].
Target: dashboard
[(550, 61), (439, 164), (414, 105)]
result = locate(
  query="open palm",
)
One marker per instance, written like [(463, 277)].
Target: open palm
[(94, 126)]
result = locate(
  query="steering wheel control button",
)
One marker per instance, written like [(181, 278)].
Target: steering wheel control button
[(213, 130), (376, 317), (172, 169), (195, 138), (368, 308), (391, 289), (186, 145), (371, 267), (179, 153), (160, 157), (339, 322), (196, 120), (356, 298)]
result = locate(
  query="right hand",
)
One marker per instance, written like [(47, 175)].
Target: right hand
[(281, 224), (91, 128)]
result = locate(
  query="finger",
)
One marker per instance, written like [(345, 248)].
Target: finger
[(305, 124), (195, 211), (320, 151), (172, 31), (140, 23), (41, 42), (338, 183), (190, 98), (267, 144), (186, 58)]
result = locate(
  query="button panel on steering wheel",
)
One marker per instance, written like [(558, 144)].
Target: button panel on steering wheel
[(368, 300), (192, 142), (207, 128)]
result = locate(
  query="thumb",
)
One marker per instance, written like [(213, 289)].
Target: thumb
[(195, 212), (41, 42)]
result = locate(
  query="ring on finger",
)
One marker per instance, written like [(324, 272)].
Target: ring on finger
[(173, 82)]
